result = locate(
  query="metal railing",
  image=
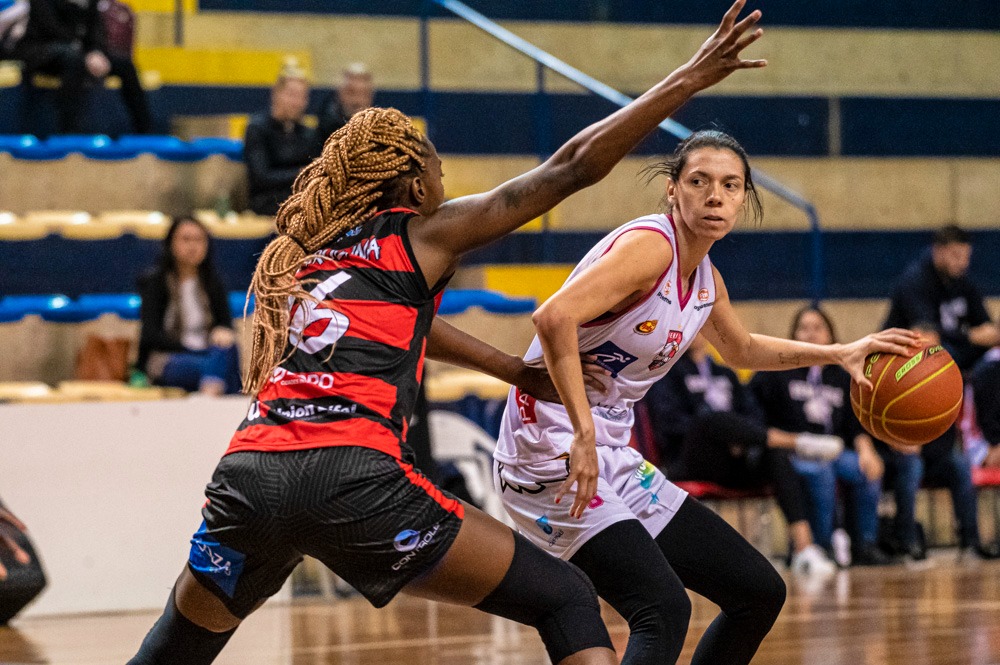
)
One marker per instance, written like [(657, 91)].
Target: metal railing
[(547, 61)]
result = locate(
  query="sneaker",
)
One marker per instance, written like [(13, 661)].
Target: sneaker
[(841, 548), (821, 447), (986, 552), (811, 561), (870, 555)]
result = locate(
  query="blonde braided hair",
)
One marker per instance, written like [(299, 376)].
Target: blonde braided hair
[(361, 163)]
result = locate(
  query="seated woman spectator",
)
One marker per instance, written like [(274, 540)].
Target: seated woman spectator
[(66, 38), (817, 400), (187, 338), (708, 427), (277, 144)]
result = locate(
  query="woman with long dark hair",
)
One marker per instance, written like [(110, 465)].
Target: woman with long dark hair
[(636, 301), (187, 338)]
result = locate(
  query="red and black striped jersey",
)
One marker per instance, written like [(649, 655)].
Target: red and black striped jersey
[(356, 357)]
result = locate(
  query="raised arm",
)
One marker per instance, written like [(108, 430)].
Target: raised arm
[(740, 348), (473, 221)]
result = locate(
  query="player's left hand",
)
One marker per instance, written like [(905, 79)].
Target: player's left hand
[(535, 380), (894, 340), (7, 542)]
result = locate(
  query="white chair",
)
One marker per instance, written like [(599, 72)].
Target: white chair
[(458, 440)]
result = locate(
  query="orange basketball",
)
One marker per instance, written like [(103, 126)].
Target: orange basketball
[(914, 399)]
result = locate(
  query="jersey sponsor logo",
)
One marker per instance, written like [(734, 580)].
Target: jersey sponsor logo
[(525, 407), (307, 411), (612, 357), (669, 350), (615, 414), (415, 543), (284, 377), (548, 530), (702, 306), (646, 327), (534, 488), (406, 540), (367, 249), (645, 474), (703, 295), (596, 502), (664, 293), (223, 565)]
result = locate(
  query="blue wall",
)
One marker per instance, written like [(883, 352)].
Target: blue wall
[(757, 265), (492, 123), (925, 14)]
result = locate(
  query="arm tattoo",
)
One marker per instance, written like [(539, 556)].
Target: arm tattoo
[(718, 331), (790, 358), (515, 194)]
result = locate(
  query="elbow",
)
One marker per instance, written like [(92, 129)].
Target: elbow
[(550, 318)]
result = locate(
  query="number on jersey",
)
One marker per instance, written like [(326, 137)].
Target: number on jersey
[(315, 327)]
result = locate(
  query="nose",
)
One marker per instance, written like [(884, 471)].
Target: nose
[(714, 196)]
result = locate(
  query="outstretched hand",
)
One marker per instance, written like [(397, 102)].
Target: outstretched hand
[(719, 56), (7, 542), (894, 340)]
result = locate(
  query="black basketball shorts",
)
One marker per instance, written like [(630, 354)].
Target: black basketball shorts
[(372, 519)]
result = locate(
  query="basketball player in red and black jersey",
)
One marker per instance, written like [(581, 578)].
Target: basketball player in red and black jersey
[(346, 298)]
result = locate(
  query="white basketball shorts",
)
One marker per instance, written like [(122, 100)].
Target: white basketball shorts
[(628, 487)]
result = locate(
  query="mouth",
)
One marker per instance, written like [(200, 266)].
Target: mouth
[(712, 218)]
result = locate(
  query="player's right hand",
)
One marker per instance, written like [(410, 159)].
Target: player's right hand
[(7, 522), (583, 471), (719, 56)]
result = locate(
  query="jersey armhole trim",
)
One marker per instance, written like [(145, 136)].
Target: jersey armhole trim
[(605, 318)]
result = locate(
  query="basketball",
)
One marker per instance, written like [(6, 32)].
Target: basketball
[(913, 400)]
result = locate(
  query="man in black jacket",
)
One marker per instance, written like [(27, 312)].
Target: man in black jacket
[(936, 297), (66, 38), (277, 144)]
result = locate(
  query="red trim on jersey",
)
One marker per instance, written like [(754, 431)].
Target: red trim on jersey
[(400, 209), (681, 298), (377, 321), (418, 479), (375, 394), (608, 317), (301, 435)]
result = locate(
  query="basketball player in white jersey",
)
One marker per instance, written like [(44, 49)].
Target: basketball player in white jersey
[(635, 302)]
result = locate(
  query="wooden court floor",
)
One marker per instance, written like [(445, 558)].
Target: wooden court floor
[(943, 612)]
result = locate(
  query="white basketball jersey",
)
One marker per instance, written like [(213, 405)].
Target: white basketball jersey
[(638, 346)]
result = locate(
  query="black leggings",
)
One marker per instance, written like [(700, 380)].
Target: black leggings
[(697, 550)]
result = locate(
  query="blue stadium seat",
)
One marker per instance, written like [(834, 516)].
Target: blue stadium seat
[(212, 145), (456, 301), (14, 308), (38, 151), (78, 142), (236, 300), (9, 142), (124, 305)]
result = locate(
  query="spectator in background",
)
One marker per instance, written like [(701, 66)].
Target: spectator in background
[(356, 92), (66, 38), (936, 297), (981, 412), (21, 574), (277, 144), (817, 400), (187, 338), (709, 428), (13, 22)]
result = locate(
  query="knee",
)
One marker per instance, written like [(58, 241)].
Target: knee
[(770, 593), (661, 621)]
